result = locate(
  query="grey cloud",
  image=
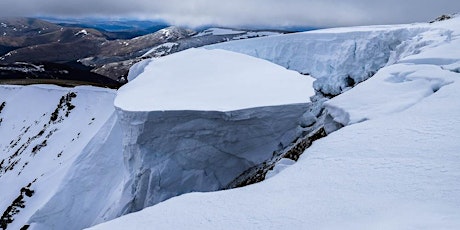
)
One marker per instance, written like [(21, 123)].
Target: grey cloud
[(274, 13)]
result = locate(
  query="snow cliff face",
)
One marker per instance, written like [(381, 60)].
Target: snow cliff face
[(201, 136), (174, 152)]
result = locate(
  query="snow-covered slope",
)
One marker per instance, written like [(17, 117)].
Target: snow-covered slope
[(43, 129), (396, 164), (92, 184)]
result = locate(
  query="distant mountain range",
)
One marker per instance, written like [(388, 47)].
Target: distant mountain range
[(102, 47), (116, 28)]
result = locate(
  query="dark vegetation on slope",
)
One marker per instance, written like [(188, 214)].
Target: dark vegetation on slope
[(70, 74), (16, 206), (63, 110)]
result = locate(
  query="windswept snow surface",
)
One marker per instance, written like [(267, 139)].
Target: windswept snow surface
[(395, 166), (218, 80)]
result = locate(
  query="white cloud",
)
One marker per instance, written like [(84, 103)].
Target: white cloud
[(273, 13)]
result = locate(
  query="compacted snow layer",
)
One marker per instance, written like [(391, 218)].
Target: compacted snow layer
[(395, 166), (43, 129), (217, 80)]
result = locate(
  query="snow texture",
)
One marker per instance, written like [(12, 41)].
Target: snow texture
[(338, 58), (212, 80), (218, 31), (174, 152), (395, 166)]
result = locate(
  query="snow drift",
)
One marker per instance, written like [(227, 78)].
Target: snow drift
[(339, 58), (396, 164), (43, 130)]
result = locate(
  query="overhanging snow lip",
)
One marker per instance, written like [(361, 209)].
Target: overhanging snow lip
[(211, 110)]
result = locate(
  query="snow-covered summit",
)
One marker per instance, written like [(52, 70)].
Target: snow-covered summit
[(200, 79)]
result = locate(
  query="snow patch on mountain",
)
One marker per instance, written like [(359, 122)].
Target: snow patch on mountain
[(218, 31), (161, 50), (82, 32), (255, 34)]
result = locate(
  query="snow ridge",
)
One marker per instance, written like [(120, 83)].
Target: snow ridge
[(358, 52)]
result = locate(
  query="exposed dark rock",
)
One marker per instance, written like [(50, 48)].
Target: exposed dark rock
[(16, 206), (2, 106), (442, 18)]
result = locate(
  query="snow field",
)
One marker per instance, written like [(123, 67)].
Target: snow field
[(395, 166)]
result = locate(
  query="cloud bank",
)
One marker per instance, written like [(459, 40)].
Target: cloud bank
[(273, 13)]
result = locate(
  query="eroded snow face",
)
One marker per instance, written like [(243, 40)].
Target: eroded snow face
[(339, 58), (174, 152)]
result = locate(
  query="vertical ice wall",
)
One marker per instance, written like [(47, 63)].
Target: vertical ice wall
[(174, 152)]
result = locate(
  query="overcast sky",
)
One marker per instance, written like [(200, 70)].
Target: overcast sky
[(273, 13)]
